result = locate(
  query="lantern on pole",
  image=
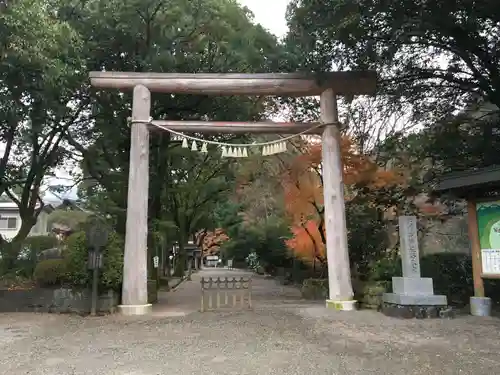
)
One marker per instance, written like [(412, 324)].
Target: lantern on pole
[(97, 238)]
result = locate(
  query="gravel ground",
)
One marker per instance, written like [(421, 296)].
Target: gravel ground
[(283, 335)]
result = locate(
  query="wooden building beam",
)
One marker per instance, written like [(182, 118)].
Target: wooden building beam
[(237, 127), (286, 84)]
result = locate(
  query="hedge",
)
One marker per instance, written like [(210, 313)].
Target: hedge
[(32, 247), (50, 272), (451, 274), (37, 244), (76, 256)]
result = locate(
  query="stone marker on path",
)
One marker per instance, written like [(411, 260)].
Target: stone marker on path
[(413, 296), (409, 246)]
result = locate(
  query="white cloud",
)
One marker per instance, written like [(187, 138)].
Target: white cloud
[(270, 14)]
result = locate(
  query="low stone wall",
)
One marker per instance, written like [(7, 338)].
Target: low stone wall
[(60, 300)]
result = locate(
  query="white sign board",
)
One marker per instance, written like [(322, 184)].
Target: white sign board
[(409, 246), (212, 257), (490, 261)]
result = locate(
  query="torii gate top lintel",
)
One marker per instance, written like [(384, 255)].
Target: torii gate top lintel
[(286, 84)]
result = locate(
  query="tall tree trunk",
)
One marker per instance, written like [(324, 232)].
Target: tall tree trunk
[(180, 263)]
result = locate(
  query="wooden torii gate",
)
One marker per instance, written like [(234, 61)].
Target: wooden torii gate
[(327, 85)]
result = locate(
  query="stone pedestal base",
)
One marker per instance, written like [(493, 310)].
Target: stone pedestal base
[(130, 310), (415, 300), (414, 286), (418, 312), (341, 305)]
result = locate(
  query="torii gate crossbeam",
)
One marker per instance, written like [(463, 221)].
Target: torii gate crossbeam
[(327, 85)]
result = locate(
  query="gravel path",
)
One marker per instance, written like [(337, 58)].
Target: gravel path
[(283, 335)]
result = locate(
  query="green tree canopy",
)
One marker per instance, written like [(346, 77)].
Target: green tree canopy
[(178, 36), (41, 97), (437, 55)]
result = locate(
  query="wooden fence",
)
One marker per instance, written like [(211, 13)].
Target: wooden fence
[(226, 293)]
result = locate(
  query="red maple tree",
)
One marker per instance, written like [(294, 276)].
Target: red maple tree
[(302, 183)]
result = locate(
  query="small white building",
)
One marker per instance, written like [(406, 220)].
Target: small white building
[(212, 260), (10, 220)]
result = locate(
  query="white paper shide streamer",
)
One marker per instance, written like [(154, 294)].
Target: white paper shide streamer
[(234, 152), (274, 148), (238, 150), (227, 151)]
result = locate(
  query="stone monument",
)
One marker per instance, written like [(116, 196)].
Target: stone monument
[(413, 296)]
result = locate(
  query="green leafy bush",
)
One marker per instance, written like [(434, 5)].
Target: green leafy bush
[(112, 273), (367, 235), (266, 240), (384, 269), (253, 261), (451, 274), (30, 251), (76, 255), (50, 272), (38, 244)]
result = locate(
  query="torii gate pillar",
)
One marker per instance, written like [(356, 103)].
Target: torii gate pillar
[(135, 257), (339, 271)]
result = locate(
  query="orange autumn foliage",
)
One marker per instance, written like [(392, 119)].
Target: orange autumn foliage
[(211, 241), (307, 242), (303, 189)]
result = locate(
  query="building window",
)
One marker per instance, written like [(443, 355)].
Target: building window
[(8, 222)]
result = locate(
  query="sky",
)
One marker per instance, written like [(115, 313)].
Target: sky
[(269, 13)]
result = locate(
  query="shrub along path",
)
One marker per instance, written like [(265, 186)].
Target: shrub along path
[(283, 335)]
